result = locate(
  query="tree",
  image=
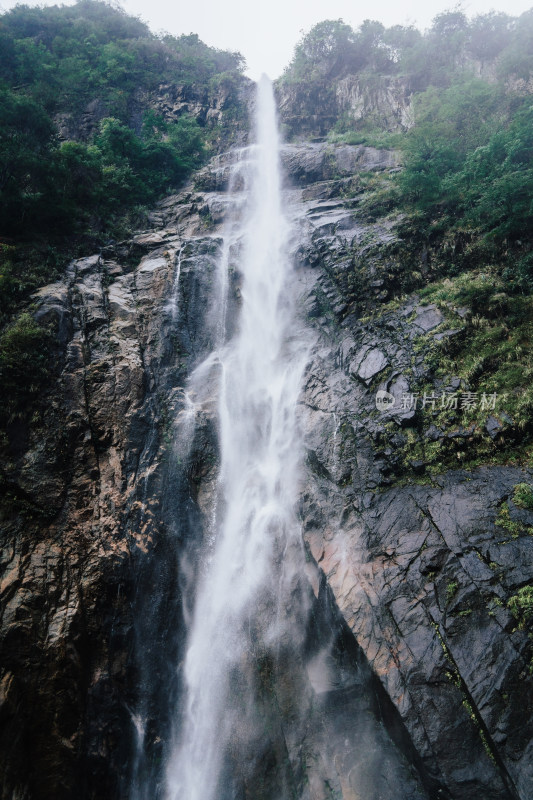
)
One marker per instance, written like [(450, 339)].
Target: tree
[(24, 366), (488, 35), (451, 124), (517, 58), (26, 142), (399, 40), (371, 48), (324, 51), (497, 181)]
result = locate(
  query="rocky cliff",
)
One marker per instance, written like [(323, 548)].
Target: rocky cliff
[(384, 102), (414, 676), (221, 109), (421, 573)]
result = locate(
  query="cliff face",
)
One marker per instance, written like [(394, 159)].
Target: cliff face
[(414, 675), (385, 102), (220, 109), (420, 573), (82, 512)]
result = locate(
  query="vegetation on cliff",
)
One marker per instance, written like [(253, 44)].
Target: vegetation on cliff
[(468, 157), (84, 149), (460, 208), (494, 43), (91, 60), (461, 205)]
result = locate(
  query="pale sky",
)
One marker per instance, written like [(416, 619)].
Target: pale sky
[(265, 32)]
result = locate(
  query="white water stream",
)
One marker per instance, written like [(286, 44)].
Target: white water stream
[(261, 370)]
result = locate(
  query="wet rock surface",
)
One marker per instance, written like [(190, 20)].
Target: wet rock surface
[(314, 109), (414, 678), (171, 101), (412, 567), (83, 521)]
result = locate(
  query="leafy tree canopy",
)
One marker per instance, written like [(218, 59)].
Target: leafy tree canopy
[(332, 48)]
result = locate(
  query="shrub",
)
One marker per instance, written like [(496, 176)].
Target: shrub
[(521, 606), (24, 366), (523, 496)]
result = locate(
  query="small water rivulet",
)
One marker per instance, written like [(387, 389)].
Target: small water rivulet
[(237, 612)]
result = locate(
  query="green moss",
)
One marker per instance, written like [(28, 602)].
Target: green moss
[(493, 354), (521, 606), (451, 590), (371, 136), (513, 527), (523, 496), (374, 194), (490, 357)]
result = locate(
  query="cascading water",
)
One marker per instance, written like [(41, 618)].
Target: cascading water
[(273, 699), (244, 586)]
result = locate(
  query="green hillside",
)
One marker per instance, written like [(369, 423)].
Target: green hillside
[(57, 197)]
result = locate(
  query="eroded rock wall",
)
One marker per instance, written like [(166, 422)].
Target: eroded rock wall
[(312, 109), (221, 109), (421, 573), (84, 539), (412, 673)]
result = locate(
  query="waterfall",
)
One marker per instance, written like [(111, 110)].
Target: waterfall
[(244, 587)]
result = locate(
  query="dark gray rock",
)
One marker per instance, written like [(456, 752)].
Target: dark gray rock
[(433, 433), (312, 162), (493, 427), (428, 317), (449, 334), (420, 574), (368, 363)]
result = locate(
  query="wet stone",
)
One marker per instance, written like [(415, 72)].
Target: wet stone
[(428, 317), (369, 363)]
